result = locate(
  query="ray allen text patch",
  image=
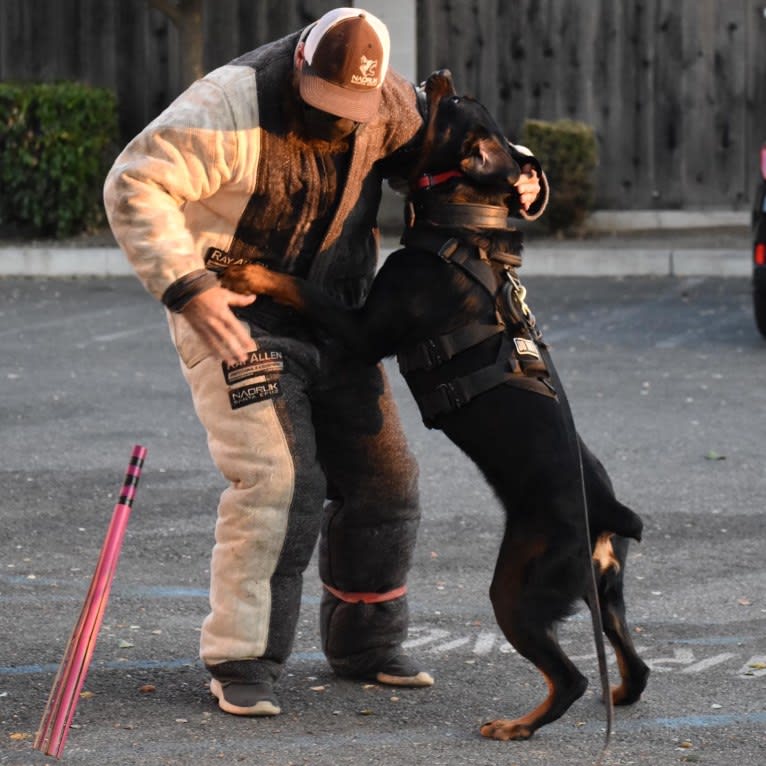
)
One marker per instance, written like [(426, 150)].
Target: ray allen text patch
[(260, 362)]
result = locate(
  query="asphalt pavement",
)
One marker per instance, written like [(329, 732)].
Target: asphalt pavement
[(664, 373)]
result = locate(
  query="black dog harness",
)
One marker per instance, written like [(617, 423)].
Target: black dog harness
[(519, 361)]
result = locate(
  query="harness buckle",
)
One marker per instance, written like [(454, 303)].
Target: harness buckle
[(519, 293), (433, 354), (454, 397), (427, 355)]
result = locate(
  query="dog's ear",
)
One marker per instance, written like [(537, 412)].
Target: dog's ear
[(439, 85), (433, 91), (487, 161)]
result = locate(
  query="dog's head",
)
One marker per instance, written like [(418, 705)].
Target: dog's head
[(461, 135)]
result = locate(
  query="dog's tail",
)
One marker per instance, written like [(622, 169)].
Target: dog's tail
[(610, 515), (634, 527), (624, 521), (606, 512)]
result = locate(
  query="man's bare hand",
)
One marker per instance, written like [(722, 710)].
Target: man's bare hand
[(211, 317), (528, 186)]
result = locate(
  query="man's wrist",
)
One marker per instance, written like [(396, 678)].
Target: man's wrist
[(190, 285)]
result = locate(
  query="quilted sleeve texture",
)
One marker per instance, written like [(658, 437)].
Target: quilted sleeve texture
[(162, 193)]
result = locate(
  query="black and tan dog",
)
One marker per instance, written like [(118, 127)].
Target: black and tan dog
[(450, 305)]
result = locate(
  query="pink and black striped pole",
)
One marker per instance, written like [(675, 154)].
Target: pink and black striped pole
[(60, 708)]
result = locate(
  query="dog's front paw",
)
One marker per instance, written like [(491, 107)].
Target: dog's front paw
[(242, 278), (505, 730)]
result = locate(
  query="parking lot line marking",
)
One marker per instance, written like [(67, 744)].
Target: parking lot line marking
[(117, 335), (69, 321), (183, 662), (680, 657), (435, 634), (25, 670), (705, 721), (715, 640), (454, 644), (710, 662), (484, 642)]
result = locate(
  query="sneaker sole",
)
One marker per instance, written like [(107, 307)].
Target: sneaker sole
[(261, 708), (420, 680)]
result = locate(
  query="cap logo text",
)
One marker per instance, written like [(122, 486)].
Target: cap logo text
[(368, 76)]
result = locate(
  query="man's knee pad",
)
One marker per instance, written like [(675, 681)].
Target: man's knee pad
[(364, 559), (367, 552)]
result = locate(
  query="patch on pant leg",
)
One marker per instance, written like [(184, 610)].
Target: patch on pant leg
[(259, 362), (254, 392)]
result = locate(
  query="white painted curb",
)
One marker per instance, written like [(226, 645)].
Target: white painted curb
[(63, 262), (559, 261), (635, 262)]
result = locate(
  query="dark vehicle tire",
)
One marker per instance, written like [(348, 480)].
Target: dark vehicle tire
[(759, 250), (759, 308)]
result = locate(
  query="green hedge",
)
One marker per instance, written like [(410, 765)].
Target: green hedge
[(567, 151), (56, 142)]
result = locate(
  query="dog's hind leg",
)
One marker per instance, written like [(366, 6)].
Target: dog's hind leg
[(532, 589), (609, 557)]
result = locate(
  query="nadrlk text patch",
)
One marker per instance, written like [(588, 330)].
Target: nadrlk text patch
[(255, 392)]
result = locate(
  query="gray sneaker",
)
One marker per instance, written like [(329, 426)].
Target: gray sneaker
[(245, 698), (400, 670)]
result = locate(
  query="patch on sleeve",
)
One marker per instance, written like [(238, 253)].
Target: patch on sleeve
[(219, 260), (255, 392), (259, 362)]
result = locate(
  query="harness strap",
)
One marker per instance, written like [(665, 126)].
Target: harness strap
[(429, 240), (476, 268), (434, 352), (365, 598), (434, 241), (458, 392), (453, 251), (517, 363)]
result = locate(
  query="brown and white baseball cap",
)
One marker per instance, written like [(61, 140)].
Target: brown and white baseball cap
[(346, 59)]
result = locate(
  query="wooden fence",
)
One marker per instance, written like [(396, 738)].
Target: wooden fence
[(675, 89), (127, 46)]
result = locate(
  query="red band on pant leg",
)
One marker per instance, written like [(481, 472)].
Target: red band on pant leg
[(366, 598)]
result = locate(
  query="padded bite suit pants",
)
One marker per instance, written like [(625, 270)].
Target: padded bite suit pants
[(289, 429)]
